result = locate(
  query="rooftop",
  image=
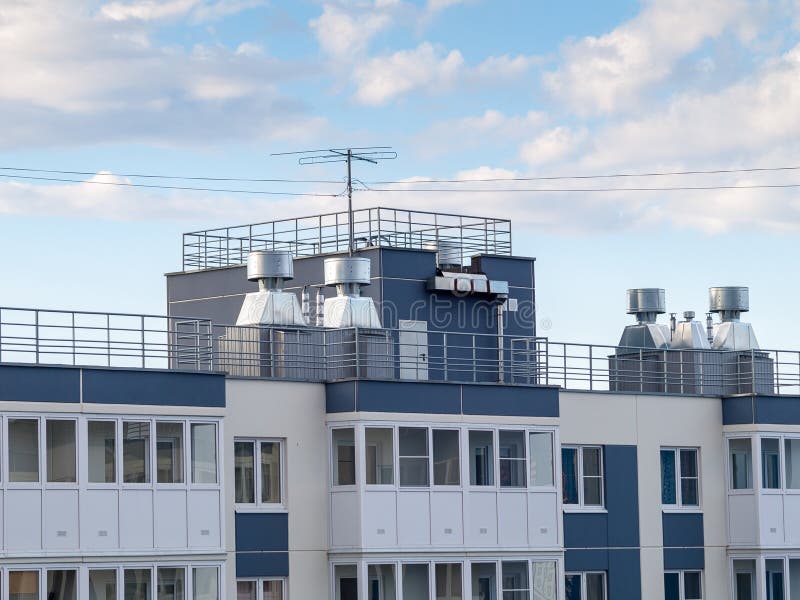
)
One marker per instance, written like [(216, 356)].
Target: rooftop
[(327, 233)]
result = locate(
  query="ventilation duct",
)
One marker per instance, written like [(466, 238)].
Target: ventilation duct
[(689, 334), (645, 304), (731, 333), (348, 308), (270, 305), (448, 254)]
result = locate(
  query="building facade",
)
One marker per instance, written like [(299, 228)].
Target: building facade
[(408, 436)]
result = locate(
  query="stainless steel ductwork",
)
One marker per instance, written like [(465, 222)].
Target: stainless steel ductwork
[(645, 304), (270, 305), (731, 333), (348, 309), (448, 254), (689, 334)]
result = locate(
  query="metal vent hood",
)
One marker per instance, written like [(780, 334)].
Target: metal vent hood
[(348, 308), (731, 333), (689, 334), (270, 305), (646, 304)]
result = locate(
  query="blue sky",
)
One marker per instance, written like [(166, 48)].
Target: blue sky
[(465, 88)]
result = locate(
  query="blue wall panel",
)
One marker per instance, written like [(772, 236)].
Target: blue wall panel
[(153, 388), (738, 410), (622, 496), (585, 530), (761, 409), (683, 530), (586, 560), (624, 575), (259, 532), (684, 558), (340, 397), (39, 384), (262, 564), (510, 401), (408, 397)]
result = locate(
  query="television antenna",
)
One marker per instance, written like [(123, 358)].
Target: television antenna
[(369, 154)]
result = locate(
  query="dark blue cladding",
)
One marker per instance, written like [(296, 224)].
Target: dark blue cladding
[(39, 384), (441, 398), (262, 544), (683, 540), (153, 388), (609, 541), (761, 409)]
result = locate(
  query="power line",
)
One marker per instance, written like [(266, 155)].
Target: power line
[(170, 187), (578, 190)]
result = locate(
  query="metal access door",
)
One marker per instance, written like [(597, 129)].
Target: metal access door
[(413, 349)]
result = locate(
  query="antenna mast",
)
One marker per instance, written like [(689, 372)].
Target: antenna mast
[(370, 154)]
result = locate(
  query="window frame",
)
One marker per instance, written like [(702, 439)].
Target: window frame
[(495, 463), (681, 582), (581, 506), (459, 456), (259, 505), (525, 460), (679, 505), (583, 575), (361, 474), (729, 476), (428, 457), (259, 582)]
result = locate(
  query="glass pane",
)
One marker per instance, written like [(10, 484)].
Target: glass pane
[(204, 453), (137, 584), (481, 458), (62, 585), (448, 582), (244, 472), (569, 468), (592, 491), (23, 450), (135, 452), (169, 452), (541, 449), (446, 463), (572, 587), (770, 464), (484, 581), (345, 582), (741, 464), (273, 590), (592, 462), (745, 577), (595, 586), (413, 441), (413, 472), (515, 581), (792, 458), (205, 583), (171, 584), (689, 478), (60, 451), (544, 581), (344, 457), (512, 458), (23, 585), (691, 586), (381, 584), (245, 590), (102, 451), (689, 495), (774, 579), (413, 446), (271, 472), (668, 490), (672, 586), (102, 584), (379, 456), (688, 463)]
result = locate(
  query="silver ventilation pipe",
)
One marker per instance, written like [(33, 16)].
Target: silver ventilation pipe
[(348, 309), (270, 268), (319, 311), (270, 305)]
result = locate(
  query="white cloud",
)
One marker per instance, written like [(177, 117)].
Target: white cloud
[(608, 73), (553, 145), (344, 31), (155, 10)]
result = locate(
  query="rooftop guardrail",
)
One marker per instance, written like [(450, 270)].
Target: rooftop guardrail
[(326, 233)]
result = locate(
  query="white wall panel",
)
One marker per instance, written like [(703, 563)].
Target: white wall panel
[(136, 519), (99, 510), (170, 519), (771, 517), (543, 519), (447, 518), (60, 518), (481, 518), (512, 513), (413, 519), (204, 519), (23, 518), (380, 519), (345, 525), (742, 519)]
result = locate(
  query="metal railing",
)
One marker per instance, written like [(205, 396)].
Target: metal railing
[(79, 338), (463, 235)]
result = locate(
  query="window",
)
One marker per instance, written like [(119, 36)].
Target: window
[(345, 582), (102, 451), (541, 451), (62, 585), (582, 480), (744, 579), (379, 459), (23, 451), (381, 582), (344, 456), (679, 477), (741, 463), (272, 589), (481, 458), (683, 585), (585, 586), (61, 458), (205, 583), (770, 463), (204, 452), (413, 445), (544, 580), (484, 580), (515, 580), (103, 584), (137, 584), (246, 590), (446, 463), (774, 578), (135, 452), (258, 482), (792, 463), (23, 585), (169, 452), (448, 581), (415, 582), (171, 584), (512, 458)]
